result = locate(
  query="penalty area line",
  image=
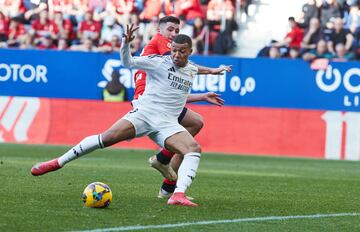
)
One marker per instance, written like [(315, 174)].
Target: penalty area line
[(212, 222)]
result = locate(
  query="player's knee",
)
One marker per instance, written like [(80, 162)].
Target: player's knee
[(198, 124), (195, 147)]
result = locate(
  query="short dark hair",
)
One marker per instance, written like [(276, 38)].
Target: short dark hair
[(167, 19), (181, 39)]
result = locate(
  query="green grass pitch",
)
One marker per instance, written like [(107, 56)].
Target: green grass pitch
[(226, 187)]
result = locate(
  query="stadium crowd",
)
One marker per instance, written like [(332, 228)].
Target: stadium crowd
[(97, 25), (325, 29)]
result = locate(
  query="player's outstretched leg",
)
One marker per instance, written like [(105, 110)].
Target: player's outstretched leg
[(161, 163), (87, 145), (120, 131)]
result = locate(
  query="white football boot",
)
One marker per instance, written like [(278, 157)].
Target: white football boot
[(165, 170)]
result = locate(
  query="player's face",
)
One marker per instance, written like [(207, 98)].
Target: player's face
[(169, 30), (180, 54)]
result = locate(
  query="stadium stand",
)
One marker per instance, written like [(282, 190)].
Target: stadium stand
[(93, 25), (244, 28), (262, 24), (335, 21)]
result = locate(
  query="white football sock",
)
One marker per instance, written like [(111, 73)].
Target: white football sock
[(86, 146), (187, 171)]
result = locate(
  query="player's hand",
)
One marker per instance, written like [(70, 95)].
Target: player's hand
[(222, 69), (213, 98), (227, 68), (129, 36)]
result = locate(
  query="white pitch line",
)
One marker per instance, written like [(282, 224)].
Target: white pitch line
[(256, 219)]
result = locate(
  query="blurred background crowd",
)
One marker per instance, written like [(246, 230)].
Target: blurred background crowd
[(320, 28), (324, 29), (97, 25)]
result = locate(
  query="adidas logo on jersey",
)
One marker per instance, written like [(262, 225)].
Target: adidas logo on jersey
[(172, 69)]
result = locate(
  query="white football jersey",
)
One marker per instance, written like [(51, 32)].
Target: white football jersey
[(167, 86)]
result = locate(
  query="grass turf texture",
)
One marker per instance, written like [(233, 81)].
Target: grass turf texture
[(227, 187)]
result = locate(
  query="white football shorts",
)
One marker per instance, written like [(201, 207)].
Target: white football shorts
[(156, 126)]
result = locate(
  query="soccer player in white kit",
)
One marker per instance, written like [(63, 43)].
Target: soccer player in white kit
[(169, 82)]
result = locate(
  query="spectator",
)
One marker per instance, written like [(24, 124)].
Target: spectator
[(110, 28), (46, 42), (86, 46), (26, 42), (320, 52), (218, 9), (112, 46), (224, 43), (274, 52), (136, 46), (135, 20), (294, 53), (294, 36), (33, 9), (89, 28), (152, 9), (309, 10), (191, 9), (57, 6), (185, 28), (138, 6), (96, 6), (41, 27), (330, 10), (357, 53), (124, 7), (3, 29), (114, 91), (199, 36), (62, 44), (169, 7), (75, 11), (342, 54), (340, 35), (12, 8), (151, 29), (61, 28), (312, 35), (15, 32), (352, 21), (110, 11)]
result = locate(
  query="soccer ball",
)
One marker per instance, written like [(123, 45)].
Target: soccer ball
[(97, 195)]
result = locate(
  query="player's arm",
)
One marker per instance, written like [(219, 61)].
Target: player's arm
[(210, 97), (208, 70), (141, 62)]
